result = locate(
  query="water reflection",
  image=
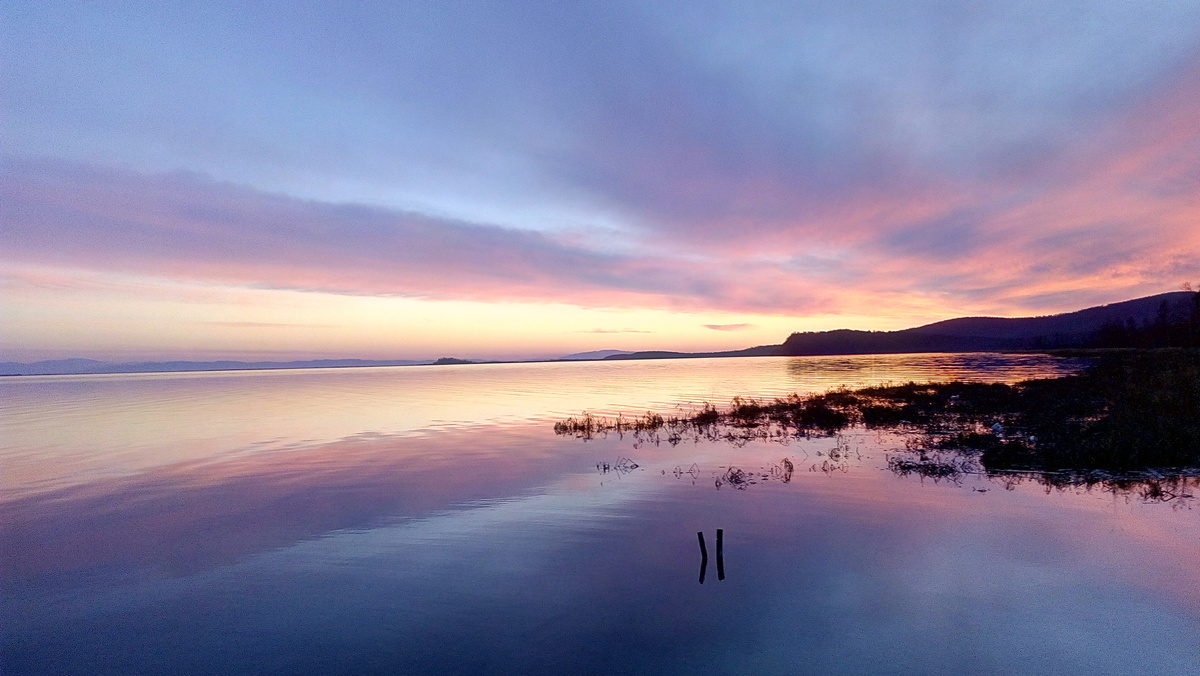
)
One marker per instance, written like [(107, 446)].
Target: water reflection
[(64, 430), (692, 471), (834, 371), (498, 547), (397, 552), (621, 465), (188, 517), (720, 555)]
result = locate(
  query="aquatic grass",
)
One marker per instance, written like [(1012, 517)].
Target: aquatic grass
[(951, 466), (744, 420), (1129, 413)]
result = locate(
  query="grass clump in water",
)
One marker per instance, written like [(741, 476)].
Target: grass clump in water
[(1130, 412)]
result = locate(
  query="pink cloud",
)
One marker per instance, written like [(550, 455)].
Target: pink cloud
[(186, 227), (1113, 217)]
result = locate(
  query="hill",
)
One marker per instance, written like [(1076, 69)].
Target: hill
[(759, 351), (592, 355), (1159, 320), (1068, 326), (1113, 325), (985, 334)]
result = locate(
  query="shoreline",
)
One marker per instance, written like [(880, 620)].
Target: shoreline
[(1130, 415), (1068, 353)]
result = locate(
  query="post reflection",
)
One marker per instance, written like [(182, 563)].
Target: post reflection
[(704, 555)]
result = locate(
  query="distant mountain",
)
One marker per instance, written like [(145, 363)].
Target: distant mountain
[(985, 334), (1129, 322), (759, 351), (594, 354), (974, 334), (1068, 325), (85, 366)]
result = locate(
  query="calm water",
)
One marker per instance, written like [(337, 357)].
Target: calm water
[(427, 520)]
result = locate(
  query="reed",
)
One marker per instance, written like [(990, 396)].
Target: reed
[(1130, 411)]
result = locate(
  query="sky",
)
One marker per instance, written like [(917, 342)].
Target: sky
[(525, 179)]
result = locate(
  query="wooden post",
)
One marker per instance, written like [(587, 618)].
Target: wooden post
[(720, 554)]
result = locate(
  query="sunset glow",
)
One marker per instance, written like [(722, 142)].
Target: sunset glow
[(512, 180)]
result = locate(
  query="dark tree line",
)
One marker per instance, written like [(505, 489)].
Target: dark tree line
[(1175, 325)]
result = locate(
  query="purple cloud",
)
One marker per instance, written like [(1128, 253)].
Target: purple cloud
[(188, 227), (786, 158)]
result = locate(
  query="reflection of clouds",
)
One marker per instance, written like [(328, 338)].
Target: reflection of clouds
[(71, 430), (548, 520), (458, 534), (192, 516), (863, 370)]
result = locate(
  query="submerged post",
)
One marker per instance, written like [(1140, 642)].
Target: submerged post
[(703, 556), (720, 554)]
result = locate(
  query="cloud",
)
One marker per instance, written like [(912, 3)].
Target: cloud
[(743, 127), (767, 122), (729, 327), (268, 325), (185, 226), (793, 158), (1112, 218)]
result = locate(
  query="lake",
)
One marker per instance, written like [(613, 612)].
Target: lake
[(427, 520)]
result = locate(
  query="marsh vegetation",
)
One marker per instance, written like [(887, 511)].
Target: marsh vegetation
[(1132, 417)]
